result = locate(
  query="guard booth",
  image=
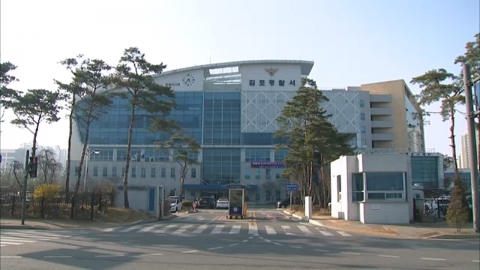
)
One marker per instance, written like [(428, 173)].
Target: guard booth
[(237, 208)]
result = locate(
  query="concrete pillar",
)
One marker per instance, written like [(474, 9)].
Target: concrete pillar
[(308, 207)]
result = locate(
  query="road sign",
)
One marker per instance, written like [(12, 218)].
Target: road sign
[(291, 187)]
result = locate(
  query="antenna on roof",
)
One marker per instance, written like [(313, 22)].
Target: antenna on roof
[(210, 55)]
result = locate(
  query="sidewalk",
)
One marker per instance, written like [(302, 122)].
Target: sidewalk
[(55, 224), (437, 230)]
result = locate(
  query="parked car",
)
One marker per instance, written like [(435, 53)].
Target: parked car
[(222, 203), (206, 202), (175, 205)]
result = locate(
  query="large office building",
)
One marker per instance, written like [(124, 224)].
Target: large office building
[(231, 110)]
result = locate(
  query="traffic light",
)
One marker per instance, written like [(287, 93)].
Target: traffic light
[(32, 167)]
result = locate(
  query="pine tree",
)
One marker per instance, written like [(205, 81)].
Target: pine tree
[(458, 210)]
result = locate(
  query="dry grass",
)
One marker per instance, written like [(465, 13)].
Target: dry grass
[(316, 210), (122, 215)]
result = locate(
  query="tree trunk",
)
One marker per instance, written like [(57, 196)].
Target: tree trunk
[(477, 125), (69, 150), (126, 203), (183, 172), (80, 165), (35, 134), (310, 179), (452, 141)]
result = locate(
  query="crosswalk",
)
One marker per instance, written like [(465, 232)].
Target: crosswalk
[(17, 237), (232, 229)]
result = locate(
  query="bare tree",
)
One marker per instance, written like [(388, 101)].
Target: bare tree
[(49, 166)]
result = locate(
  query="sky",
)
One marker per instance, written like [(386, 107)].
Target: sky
[(352, 42)]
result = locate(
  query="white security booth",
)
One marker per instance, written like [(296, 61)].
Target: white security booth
[(372, 188)]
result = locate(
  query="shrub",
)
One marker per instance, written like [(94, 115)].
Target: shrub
[(47, 191), (187, 204), (458, 210)]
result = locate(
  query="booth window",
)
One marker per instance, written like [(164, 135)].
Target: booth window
[(357, 187), (385, 185), (339, 188)]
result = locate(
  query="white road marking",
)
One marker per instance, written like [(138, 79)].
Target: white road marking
[(183, 229), (108, 256), (235, 229), (433, 259), (270, 230), (3, 238), (232, 245), (218, 229), (321, 250), (200, 229), (477, 261), (10, 257), (244, 241), (305, 230), (154, 254), (110, 229), (252, 229), (149, 228), (190, 251), (325, 233), (344, 233), (388, 256), (58, 257), (131, 228), (295, 247), (165, 229), (9, 243), (214, 248), (278, 244), (351, 253), (285, 227)]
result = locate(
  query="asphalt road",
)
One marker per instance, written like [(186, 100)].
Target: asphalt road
[(207, 240)]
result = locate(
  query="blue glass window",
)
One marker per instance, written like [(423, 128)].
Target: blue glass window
[(222, 114), (221, 166), (257, 155)]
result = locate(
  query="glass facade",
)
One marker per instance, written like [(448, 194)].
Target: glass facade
[(112, 127), (222, 115), (425, 171), (221, 166)]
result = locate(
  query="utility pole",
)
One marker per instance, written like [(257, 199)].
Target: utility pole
[(24, 189), (472, 145)]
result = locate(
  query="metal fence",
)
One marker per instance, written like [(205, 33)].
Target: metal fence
[(84, 208)]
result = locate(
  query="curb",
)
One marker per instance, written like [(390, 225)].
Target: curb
[(304, 218)]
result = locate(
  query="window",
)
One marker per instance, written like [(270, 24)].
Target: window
[(172, 172), (278, 173), (385, 185), (277, 194), (362, 128), (362, 116), (339, 188), (152, 172), (105, 172), (76, 170), (357, 187), (163, 172), (95, 171), (257, 155), (268, 196), (134, 172), (123, 172), (193, 173), (257, 196), (363, 142), (268, 173), (114, 171), (280, 155), (143, 172), (257, 174), (362, 103)]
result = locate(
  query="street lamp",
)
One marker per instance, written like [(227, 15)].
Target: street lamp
[(88, 153)]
